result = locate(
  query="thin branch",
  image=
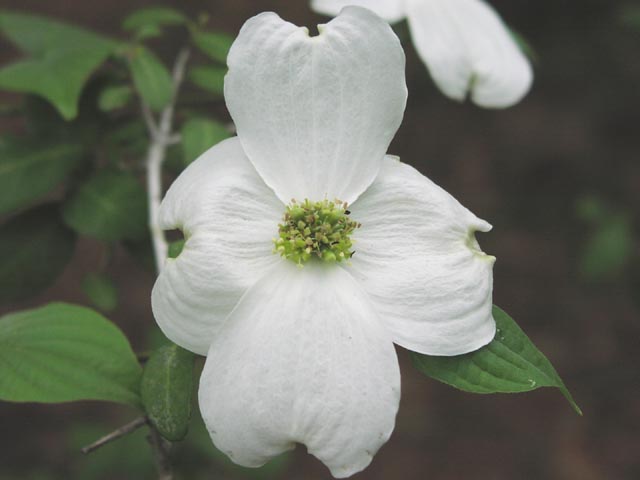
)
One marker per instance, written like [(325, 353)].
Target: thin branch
[(161, 137), (116, 434), (174, 139), (160, 449), (149, 121)]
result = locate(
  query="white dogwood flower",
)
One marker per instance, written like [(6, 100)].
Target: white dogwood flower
[(464, 44), (305, 355)]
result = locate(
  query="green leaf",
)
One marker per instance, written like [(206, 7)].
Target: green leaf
[(101, 291), (175, 248), (148, 31), (509, 364), (151, 78), (153, 17), (29, 170), (608, 249), (127, 139), (200, 134), (114, 97), (110, 206), (36, 247), (215, 45), (62, 57), (64, 353), (209, 78), (167, 385), (45, 126)]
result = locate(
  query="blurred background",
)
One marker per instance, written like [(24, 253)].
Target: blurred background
[(558, 176)]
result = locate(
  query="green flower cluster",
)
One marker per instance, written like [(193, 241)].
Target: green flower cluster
[(315, 229)]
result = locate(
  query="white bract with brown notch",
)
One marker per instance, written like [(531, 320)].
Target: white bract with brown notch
[(299, 331), (465, 45)]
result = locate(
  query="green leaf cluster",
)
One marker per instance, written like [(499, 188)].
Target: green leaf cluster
[(37, 245), (60, 59), (153, 17), (28, 171), (35, 248), (110, 206)]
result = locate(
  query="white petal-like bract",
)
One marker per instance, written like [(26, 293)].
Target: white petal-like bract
[(315, 115), (306, 355), (391, 10), (229, 217), (302, 359), (417, 258), (469, 51)]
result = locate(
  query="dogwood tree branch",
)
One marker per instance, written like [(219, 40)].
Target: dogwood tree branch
[(149, 120), (160, 448), (116, 434), (162, 137)]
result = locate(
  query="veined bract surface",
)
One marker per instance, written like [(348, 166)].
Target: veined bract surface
[(302, 351), (466, 47)]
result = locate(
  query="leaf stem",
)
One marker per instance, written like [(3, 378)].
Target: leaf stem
[(116, 434), (161, 136)]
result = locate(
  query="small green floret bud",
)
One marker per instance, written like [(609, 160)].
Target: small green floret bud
[(329, 257), (318, 230)]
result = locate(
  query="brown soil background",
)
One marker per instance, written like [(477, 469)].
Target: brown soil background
[(521, 169)]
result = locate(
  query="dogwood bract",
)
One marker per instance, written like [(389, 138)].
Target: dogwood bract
[(299, 331), (464, 44)]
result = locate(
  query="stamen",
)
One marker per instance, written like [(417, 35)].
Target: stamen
[(318, 230)]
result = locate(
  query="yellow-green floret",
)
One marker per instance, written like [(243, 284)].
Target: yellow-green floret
[(319, 230)]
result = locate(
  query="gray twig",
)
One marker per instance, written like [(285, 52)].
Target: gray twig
[(161, 136), (116, 434), (149, 121), (161, 448)]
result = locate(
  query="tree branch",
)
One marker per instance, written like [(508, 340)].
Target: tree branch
[(161, 137), (160, 449), (149, 121), (116, 434)]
